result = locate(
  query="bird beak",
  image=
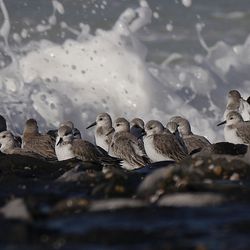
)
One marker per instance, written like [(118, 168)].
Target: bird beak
[(60, 141), (91, 125), (110, 131), (143, 132), (221, 123)]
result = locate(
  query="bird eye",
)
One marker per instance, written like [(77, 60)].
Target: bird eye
[(231, 118), (4, 136), (100, 119), (117, 125)]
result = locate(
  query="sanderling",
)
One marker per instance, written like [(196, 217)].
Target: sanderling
[(3, 126), (76, 132), (103, 125), (35, 142), (173, 128), (10, 146), (7, 142), (137, 127), (160, 144), (236, 130), (235, 102), (125, 146), (192, 141), (248, 100), (67, 148)]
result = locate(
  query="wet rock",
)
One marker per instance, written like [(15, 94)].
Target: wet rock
[(71, 205), (191, 200), (29, 167), (225, 148), (113, 204), (16, 209), (194, 171), (217, 166)]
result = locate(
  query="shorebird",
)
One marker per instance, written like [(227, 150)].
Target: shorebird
[(192, 141), (10, 146), (173, 128), (104, 131), (76, 132), (248, 100), (235, 102), (3, 126), (160, 144), (137, 127), (35, 142), (7, 142), (67, 148), (126, 146), (236, 130)]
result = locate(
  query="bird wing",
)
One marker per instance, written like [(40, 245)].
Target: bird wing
[(243, 131), (127, 149), (43, 145), (85, 150), (24, 152), (167, 145), (195, 142)]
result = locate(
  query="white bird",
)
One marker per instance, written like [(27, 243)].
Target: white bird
[(104, 131), (126, 146), (192, 141), (9, 145), (160, 144), (235, 102), (236, 130), (173, 128), (67, 147)]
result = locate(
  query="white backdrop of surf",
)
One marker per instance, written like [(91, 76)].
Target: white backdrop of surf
[(108, 72)]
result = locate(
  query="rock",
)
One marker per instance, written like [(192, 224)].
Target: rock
[(16, 209), (114, 204), (191, 200), (224, 148)]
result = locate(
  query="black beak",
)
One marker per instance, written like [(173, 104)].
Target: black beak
[(248, 99), (143, 132), (221, 123), (60, 141), (91, 125), (111, 130)]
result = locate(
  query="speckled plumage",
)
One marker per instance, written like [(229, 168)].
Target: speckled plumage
[(192, 141), (235, 102), (10, 146), (160, 144), (35, 142), (104, 131), (126, 146), (236, 129)]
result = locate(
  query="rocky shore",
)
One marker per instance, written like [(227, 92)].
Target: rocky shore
[(201, 203)]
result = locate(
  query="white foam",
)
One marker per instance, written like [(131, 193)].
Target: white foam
[(107, 71)]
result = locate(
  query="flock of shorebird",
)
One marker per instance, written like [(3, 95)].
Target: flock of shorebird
[(129, 144)]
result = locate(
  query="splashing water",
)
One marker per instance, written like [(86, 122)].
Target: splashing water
[(107, 71)]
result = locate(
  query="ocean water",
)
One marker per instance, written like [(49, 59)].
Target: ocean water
[(62, 59)]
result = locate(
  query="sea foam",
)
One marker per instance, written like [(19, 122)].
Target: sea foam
[(107, 72)]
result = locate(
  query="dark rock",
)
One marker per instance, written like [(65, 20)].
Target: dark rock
[(225, 148)]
